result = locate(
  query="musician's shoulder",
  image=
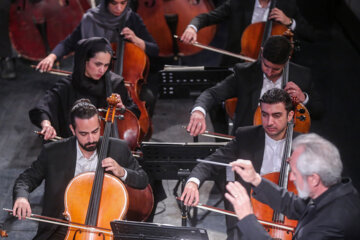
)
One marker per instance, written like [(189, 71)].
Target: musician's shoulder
[(114, 77), (248, 130), (244, 65)]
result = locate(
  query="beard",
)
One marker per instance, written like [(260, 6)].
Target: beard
[(90, 146), (305, 192)]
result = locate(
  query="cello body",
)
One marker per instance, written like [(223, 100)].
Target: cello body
[(265, 213), (181, 12), (77, 198), (127, 126), (135, 70), (37, 26), (153, 16), (253, 35)]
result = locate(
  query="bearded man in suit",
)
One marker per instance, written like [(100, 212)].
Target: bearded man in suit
[(61, 161)]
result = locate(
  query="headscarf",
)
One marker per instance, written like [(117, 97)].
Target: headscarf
[(84, 51), (99, 22)]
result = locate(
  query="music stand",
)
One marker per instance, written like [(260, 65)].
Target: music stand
[(182, 81), (129, 230), (164, 160)]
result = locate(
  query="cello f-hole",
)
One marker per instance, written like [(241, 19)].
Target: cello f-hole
[(150, 5), (103, 235), (76, 232)]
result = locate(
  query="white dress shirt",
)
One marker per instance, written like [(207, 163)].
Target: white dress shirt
[(273, 154), (84, 164), (261, 14)]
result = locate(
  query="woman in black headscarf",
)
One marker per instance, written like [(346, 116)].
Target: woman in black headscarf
[(110, 19), (91, 79)]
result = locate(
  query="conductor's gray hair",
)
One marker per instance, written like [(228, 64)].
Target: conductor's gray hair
[(319, 157)]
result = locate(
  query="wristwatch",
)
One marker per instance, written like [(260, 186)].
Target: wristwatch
[(291, 22)]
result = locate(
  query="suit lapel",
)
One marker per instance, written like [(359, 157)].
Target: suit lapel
[(259, 151), (257, 80), (249, 6), (70, 160)]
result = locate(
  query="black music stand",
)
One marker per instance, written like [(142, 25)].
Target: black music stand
[(164, 160), (174, 161), (129, 230), (182, 82)]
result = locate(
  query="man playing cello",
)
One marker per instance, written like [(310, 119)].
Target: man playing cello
[(262, 144), (59, 162)]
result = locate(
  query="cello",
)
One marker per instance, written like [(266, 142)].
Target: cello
[(302, 121), (96, 198), (37, 26), (262, 31), (134, 70), (264, 212), (165, 18)]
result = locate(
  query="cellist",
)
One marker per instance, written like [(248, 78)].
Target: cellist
[(105, 20), (262, 144), (109, 19), (59, 162), (240, 14), (249, 82), (327, 207), (91, 78)]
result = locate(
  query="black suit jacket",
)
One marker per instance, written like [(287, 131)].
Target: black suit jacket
[(238, 14), (249, 143), (335, 216), (56, 165), (246, 83)]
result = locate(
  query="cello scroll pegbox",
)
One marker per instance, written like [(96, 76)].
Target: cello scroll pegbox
[(113, 100)]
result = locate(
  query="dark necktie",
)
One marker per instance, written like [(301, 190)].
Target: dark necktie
[(306, 217)]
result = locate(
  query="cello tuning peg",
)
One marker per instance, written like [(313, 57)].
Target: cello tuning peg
[(120, 117)]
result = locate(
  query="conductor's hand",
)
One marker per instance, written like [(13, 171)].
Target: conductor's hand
[(47, 63), (130, 36), (246, 171), (47, 130), (239, 198), (197, 124), (189, 35), (279, 16), (295, 92), (111, 165), (190, 196), (21, 208)]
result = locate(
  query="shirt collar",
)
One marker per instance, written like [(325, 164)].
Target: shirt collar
[(79, 153), (271, 141)]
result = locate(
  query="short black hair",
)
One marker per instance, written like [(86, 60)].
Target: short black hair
[(82, 109), (277, 49), (277, 95)]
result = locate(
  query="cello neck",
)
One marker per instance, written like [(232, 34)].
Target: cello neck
[(285, 75), (118, 67), (285, 168), (268, 26), (94, 203)]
